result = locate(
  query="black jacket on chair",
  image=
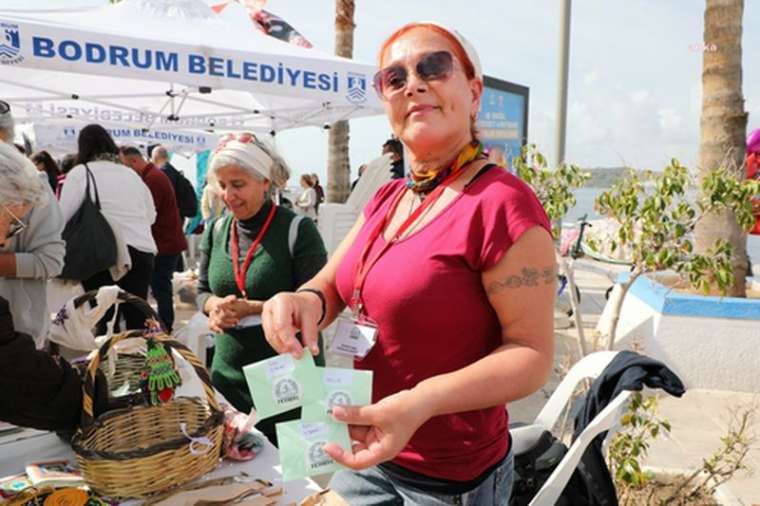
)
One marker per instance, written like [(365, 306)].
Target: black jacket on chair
[(627, 371), (37, 390)]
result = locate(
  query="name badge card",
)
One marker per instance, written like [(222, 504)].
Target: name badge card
[(353, 337)]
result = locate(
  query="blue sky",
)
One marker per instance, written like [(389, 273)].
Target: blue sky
[(635, 80)]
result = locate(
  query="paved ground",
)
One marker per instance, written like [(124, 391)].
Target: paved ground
[(699, 419)]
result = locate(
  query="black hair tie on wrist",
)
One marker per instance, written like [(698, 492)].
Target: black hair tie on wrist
[(322, 299)]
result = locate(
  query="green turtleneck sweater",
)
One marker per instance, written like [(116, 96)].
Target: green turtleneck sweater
[(272, 270)]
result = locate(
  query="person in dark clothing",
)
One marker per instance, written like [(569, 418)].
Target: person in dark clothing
[(160, 158), (320, 191), (362, 168), (45, 163), (38, 390), (67, 163), (395, 147), (166, 230)]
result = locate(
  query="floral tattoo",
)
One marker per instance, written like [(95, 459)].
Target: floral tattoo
[(528, 277)]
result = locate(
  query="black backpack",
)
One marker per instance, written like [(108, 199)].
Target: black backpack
[(534, 466), (90, 242), (187, 201)]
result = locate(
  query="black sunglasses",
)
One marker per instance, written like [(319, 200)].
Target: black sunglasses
[(4, 107), (430, 67)]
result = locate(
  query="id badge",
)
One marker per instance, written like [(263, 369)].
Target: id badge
[(354, 337)]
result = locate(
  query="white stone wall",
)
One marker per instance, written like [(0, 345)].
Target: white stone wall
[(709, 353)]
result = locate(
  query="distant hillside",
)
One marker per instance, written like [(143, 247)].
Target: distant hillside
[(604, 177)]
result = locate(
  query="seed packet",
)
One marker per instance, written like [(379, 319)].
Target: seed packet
[(344, 387), (281, 383), (301, 453)]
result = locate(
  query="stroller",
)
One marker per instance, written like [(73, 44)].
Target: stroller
[(546, 471)]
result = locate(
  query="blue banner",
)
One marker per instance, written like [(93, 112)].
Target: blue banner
[(501, 123)]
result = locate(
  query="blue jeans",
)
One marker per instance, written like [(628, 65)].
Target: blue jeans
[(373, 487)]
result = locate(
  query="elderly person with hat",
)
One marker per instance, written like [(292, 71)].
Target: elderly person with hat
[(31, 249), (256, 250), (450, 278)]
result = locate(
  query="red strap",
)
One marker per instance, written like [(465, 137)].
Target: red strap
[(363, 266), (239, 273)]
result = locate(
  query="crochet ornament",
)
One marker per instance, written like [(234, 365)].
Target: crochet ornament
[(158, 378)]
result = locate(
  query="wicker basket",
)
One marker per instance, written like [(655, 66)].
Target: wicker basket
[(128, 365), (141, 450)]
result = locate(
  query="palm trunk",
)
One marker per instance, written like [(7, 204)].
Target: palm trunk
[(338, 166), (723, 125)]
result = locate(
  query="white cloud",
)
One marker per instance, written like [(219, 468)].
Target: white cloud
[(670, 120), (638, 97), (591, 76)]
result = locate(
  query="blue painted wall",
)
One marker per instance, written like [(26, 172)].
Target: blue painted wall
[(668, 301)]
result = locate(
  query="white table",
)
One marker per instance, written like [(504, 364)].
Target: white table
[(48, 446)]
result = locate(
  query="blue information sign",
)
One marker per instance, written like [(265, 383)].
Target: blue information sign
[(503, 119)]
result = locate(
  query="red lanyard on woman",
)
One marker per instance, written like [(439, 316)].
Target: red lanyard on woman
[(239, 273), (363, 266)]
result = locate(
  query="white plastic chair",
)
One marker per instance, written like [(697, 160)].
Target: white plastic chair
[(523, 437)]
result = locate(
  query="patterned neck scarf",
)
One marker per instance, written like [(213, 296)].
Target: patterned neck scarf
[(425, 182)]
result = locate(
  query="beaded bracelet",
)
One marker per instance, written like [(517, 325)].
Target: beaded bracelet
[(322, 299)]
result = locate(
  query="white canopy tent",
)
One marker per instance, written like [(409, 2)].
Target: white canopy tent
[(172, 65)]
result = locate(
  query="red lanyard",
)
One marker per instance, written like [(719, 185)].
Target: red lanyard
[(241, 273), (363, 266)]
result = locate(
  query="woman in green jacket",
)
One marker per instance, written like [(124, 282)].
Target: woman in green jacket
[(247, 256)]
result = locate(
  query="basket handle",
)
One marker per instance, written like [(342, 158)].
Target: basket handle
[(127, 297), (88, 415)]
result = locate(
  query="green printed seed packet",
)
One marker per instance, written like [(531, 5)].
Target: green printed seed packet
[(345, 387), (301, 453), (281, 383)]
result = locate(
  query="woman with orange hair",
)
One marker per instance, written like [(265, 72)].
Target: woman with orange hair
[(450, 277)]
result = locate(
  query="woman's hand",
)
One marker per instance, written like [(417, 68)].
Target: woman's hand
[(226, 312), (380, 431), (219, 316), (286, 314)]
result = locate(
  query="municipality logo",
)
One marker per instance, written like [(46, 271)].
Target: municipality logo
[(10, 44), (357, 88)]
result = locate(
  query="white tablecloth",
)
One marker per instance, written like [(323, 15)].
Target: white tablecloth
[(39, 446)]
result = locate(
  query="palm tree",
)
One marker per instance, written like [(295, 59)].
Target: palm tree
[(338, 167), (723, 124)]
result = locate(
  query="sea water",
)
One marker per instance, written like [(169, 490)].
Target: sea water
[(585, 205)]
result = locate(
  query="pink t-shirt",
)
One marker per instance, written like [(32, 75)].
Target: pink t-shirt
[(434, 317)]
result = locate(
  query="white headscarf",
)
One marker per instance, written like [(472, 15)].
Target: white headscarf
[(252, 155), (247, 154)]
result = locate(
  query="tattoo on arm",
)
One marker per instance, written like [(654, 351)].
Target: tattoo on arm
[(528, 277)]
